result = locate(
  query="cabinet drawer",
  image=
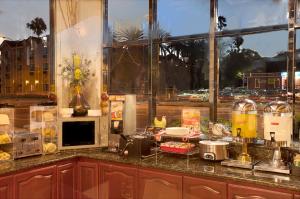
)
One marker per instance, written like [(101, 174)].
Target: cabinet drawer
[(197, 188), (159, 185), (245, 192), (36, 184), (6, 187), (117, 181), (87, 183)]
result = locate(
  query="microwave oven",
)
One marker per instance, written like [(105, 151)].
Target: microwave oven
[(78, 132)]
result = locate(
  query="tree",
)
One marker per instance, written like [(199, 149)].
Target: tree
[(221, 22), (238, 42), (37, 25)]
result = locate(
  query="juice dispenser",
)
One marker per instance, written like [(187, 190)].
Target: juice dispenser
[(244, 124), (278, 122), (244, 119)]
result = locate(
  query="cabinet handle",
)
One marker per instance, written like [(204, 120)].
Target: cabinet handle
[(211, 190), (249, 197), (164, 182), (206, 188), (41, 176)]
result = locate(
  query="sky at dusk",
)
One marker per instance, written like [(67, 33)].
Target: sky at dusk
[(14, 14), (178, 17)]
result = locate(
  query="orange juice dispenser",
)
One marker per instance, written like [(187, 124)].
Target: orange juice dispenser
[(244, 119), (244, 125)]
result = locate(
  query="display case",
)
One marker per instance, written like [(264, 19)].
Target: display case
[(6, 133), (43, 120)]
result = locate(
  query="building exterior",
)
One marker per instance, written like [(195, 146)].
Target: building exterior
[(26, 67), (263, 80)]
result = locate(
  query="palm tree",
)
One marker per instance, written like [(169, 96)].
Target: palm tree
[(128, 34), (37, 25)]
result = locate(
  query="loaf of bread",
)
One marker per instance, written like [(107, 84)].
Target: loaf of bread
[(49, 147)]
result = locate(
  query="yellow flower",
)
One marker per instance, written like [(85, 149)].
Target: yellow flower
[(76, 60), (77, 74)]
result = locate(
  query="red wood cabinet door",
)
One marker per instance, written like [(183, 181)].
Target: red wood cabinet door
[(6, 187), (87, 183), (245, 192), (66, 178), (197, 188), (36, 184), (296, 196), (118, 182), (159, 185)]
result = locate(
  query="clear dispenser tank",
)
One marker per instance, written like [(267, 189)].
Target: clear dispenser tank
[(244, 119), (278, 122)]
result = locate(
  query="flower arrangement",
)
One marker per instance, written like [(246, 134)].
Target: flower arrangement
[(77, 72)]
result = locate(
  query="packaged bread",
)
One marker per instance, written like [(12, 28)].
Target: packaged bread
[(48, 116), (37, 130), (4, 138), (49, 132), (4, 120), (4, 155), (37, 115)]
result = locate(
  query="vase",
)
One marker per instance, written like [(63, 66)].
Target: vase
[(78, 103)]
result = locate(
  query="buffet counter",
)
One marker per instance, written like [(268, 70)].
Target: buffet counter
[(164, 162)]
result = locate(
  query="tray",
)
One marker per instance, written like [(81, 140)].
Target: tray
[(176, 150)]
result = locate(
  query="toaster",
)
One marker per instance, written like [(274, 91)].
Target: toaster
[(27, 144), (137, 146)]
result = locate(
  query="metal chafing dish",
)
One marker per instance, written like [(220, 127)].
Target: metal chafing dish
[(213, 150)]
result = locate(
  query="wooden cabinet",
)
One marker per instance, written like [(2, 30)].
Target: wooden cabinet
[(6, 187), (246, 192), (36, 184), (197, 188), (159, 185), (66, 180), (87, 183), (89, 179), (296, 196), (118, 181)]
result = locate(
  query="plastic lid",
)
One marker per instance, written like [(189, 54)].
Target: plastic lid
[(278, 107), (244, 105)]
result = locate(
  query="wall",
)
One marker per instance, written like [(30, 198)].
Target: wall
[(78, 29)]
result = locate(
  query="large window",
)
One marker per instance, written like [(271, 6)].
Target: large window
[(166, 67), (252, 66), (126, 52), (23, 25), (188, 17), (252, 13), (252, 42)]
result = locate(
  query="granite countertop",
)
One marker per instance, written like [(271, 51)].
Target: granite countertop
[(192, 166)]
